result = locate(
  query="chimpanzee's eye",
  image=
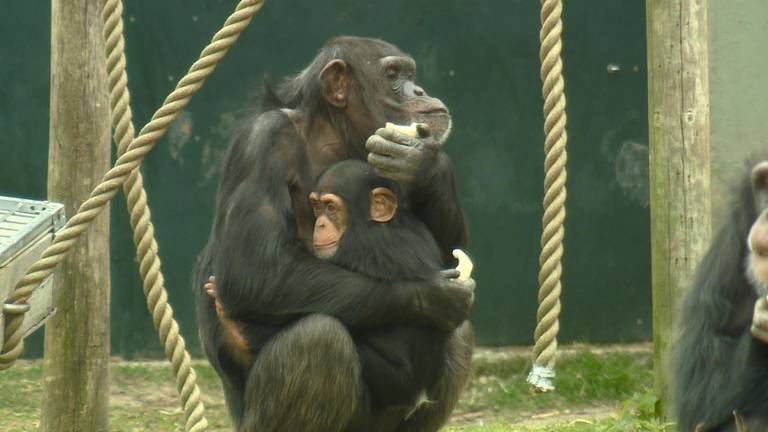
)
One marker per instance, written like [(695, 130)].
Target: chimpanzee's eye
[(316, 207), (391, 74)]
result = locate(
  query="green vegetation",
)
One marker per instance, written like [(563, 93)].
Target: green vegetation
[(606, 391)]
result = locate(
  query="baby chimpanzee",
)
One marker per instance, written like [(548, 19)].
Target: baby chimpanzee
[(360, 225)]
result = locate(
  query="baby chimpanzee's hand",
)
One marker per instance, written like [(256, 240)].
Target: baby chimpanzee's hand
[(231, 327)]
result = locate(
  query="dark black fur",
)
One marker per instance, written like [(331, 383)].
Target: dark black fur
[(298, 310), (718, 366)]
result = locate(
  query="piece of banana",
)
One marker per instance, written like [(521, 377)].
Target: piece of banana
[(411, 131), (465, 264)]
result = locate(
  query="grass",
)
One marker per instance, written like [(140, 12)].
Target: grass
[(596, 391)]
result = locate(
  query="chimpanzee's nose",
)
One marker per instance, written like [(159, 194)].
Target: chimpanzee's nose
[(418, 91)]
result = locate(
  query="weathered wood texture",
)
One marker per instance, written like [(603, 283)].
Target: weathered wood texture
[(76, 377), (678, 112)]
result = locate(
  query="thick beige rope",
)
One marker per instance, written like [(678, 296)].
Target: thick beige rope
[(545, 335), (124, 166), (143, 229)]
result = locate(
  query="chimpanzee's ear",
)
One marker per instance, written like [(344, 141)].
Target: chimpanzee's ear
[(334, 81), (383, 205)]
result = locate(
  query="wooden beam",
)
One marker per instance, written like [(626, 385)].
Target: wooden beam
[(76, 375), (678, 113)]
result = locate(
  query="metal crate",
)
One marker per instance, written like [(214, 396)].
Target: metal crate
[(26, 228)]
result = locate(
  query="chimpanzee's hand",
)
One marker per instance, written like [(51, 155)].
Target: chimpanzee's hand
[(401, 158), (210, 289), (449, 300), (760, 320), (230, 327)]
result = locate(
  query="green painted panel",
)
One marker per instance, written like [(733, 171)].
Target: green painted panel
[(738, 98), (481, 58)]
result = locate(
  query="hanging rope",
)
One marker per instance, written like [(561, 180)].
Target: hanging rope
[(143, 229), (141, 223), (126, 163), (542, 375)]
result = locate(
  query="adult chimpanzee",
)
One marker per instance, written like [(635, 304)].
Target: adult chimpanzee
[(721, 361), (297, 311)]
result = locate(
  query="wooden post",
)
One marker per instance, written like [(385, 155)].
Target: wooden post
[(678, 113), (76, 376)]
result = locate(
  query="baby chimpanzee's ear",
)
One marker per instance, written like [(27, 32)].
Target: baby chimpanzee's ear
[(383, 205)]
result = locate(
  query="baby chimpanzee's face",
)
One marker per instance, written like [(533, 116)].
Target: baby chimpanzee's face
[(330, 223), (332, 217), (348, 196)]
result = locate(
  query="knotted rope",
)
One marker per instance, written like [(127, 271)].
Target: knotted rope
[(545, 348), (133, 151)]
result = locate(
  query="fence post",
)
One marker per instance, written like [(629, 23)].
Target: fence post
[(678, 113), (76, 375)]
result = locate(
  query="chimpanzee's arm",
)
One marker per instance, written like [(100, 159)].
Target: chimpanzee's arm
[(436, 203), (265, 274)]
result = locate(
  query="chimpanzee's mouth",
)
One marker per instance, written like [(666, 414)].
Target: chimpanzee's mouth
[(757, 272), (434, 111), (438, 121), (325, 245), (326, 250)]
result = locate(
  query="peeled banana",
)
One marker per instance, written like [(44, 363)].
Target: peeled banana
[(411, 131), (465, 264)]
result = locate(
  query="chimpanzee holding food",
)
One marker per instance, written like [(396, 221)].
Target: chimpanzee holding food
[(300, 314)]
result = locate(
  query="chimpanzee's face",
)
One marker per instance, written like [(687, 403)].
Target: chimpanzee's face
[(404, 102), (758, 234), (330, 223), (361, 206)]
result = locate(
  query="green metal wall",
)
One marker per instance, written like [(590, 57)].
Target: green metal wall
[(480, 57)]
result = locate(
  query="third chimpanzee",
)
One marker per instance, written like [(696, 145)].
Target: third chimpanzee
[(720, 368), (299, 313)]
